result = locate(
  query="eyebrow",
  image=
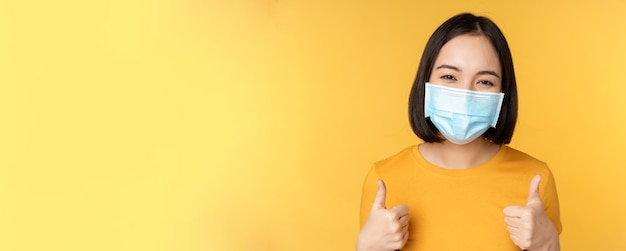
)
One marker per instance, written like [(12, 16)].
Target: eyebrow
[(454, 68), (446, 66), (488, 73)]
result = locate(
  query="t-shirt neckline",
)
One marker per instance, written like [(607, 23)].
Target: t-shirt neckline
[(459, 173)]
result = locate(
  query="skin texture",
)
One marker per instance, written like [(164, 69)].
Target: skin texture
[(386, 229), (468, 62), (529, 226)]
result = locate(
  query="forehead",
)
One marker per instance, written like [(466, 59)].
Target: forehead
[(472, 52)]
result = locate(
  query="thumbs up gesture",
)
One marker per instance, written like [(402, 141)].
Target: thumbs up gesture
[(529, 226), (385, 229)]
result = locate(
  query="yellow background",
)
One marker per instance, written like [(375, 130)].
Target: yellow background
[(250, 125)]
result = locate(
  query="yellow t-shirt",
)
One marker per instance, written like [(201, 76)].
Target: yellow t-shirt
[(460, 209)]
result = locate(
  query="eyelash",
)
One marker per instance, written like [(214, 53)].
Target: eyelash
[(450, 77), (489, 83)]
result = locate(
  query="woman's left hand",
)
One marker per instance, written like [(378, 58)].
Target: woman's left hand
[(529, 226)]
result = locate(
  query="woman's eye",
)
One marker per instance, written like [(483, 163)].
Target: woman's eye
[(448, 77), (485, 82)]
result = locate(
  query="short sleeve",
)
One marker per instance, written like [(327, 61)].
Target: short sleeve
[(370, 187), (550, 200)]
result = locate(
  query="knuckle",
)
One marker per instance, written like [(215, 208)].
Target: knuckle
[(526, 241), (397, 237), (525, 246), (396, 246), (393, 214), (395, 227), (397, 242), (528, 213), (389, 216)]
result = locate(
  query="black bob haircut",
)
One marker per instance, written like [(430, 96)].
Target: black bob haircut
[(460, 25)]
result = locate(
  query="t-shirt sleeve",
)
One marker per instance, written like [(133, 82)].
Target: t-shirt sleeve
[(370, 187), (550, 200)]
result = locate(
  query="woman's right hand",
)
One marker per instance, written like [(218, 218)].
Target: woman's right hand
[(385, 229)]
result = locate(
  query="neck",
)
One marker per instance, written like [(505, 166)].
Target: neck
[(452, 156)]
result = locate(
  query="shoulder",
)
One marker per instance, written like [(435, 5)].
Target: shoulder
[(513, 158), (396, 162), (512, 154)]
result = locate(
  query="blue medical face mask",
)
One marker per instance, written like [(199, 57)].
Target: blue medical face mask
[(461, 115)]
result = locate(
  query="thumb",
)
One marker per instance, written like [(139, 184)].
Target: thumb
[(381, 195), (533, 192)]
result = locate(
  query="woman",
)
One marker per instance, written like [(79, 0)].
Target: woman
[(463, 188)]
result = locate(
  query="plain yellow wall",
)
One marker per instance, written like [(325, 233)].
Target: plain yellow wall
[(249, 125)]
